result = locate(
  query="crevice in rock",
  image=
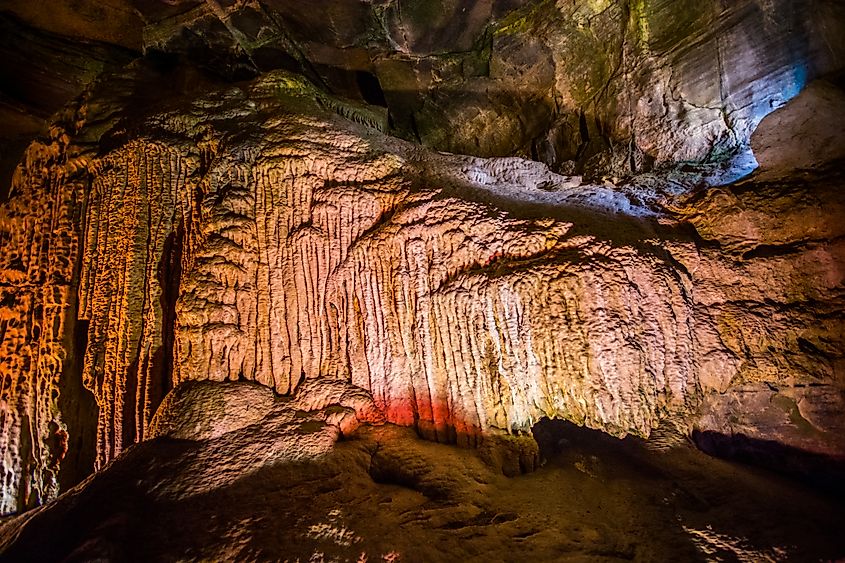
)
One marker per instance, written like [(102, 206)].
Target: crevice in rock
[(27, 462), (370, 88), (169, 278), (129, 428), (79, 410), (584, 132), (811, 349), (554, 435), (772, 250)]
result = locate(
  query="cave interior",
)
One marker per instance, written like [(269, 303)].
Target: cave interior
[(422, 280)]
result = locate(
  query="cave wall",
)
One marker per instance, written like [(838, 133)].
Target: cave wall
[(610, 87), (132, 214), (309, 251), (607, 87), (325, 256), (40, 245), (466, 295), (40, 72), (169, 226)]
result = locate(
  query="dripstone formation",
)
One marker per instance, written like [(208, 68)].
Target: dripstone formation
[(292, 236)]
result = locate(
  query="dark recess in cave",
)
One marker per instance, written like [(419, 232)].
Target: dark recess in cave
[(26, 457), (160, 367), (169, 276), (79, 410), (131, 402), (555, 436), (10, 154), (370, 88), (815, 470)]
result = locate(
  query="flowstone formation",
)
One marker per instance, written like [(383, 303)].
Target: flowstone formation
[(235, 264), (269, 232)]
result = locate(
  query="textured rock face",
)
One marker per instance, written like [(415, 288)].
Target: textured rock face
[(271, 233), (41, 73), (806, 418), (207, 410), (606, 87), (805, 135), (793, 420), (309, 251), (39, 246)]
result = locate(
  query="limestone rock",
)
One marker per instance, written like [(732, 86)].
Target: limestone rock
[(42, 72), (611, 88), (195, 411), (806, 133), (806, 418), (310, 252), (202, 410), (116, 23), (37, 266), (270, 233), (796, 430)]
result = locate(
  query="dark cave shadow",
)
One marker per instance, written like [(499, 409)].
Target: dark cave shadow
[(757, 490), (818, 471), (117, 516), (822, 473), (558, 438), (101, 516)]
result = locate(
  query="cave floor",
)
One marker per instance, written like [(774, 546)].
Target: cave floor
[(387, 495)]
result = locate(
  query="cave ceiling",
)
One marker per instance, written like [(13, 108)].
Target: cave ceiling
[(609, 87)]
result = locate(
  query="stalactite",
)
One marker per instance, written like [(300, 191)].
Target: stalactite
[(38, 250), (133, 207)]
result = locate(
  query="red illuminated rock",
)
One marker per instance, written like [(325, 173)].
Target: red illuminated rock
[(226, 485)]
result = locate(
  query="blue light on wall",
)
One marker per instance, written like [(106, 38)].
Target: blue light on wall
[(778, 89)]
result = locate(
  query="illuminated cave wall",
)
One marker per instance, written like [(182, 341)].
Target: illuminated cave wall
[(168, 230), (308, 252)]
